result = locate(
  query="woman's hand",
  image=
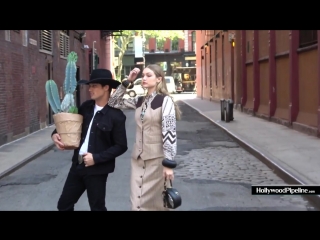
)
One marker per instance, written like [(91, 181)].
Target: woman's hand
[(168, 173), (133, 74)]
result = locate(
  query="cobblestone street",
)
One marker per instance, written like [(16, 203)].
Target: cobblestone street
[(206, 154), (213, 174)]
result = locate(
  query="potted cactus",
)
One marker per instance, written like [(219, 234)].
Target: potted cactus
[(66, 118)]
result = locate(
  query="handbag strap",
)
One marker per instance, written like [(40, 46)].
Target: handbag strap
[(165, 184)]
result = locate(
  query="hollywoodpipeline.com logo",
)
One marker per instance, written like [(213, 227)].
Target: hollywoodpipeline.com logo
[(285, 189)]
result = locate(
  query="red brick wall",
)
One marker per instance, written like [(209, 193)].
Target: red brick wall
[(23, 73), (108, 54), (152, 44), (167, 44), (220, 88), (181, 44), (276, 87), (102, 46), (102, 49)]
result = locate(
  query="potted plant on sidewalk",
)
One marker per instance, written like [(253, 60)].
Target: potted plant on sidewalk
[(66, 118)]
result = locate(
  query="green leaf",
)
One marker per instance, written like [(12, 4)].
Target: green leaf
[(73, 110)]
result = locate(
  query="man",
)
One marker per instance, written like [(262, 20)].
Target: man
[(103, 138)]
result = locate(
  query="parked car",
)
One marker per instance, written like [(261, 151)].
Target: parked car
[(170, 84), (179, 88), (137, 89)]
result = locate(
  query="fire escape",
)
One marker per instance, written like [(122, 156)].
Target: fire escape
[(110, 33)]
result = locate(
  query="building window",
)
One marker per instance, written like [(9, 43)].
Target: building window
[(45, 41), (127, 70), (160, 44), (77, 36), (124, 71), (193, 41), (146, 45), (24, 36), (119, 43), (175, 45), (7, 35), (130, 47), (64, 43), (307, 38)]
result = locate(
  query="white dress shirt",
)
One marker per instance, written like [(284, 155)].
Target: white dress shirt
[(84, 147)]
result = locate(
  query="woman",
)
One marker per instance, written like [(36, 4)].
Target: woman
[(152, 160)]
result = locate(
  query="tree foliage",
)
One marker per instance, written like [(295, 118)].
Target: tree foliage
[(121, 42)]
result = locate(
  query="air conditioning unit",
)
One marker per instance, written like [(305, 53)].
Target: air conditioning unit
[(166, 50)]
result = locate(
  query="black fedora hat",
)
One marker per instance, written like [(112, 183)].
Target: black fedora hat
[(102, 76)]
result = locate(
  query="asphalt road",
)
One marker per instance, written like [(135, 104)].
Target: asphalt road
[(213, 173)]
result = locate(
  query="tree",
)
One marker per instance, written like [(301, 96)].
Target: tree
[(121, 42)]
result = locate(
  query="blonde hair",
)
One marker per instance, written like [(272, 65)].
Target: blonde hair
[(162, 86)]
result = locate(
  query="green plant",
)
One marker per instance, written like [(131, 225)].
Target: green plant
[(69, 86)]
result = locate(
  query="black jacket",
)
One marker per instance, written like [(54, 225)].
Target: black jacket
[(108, 138)]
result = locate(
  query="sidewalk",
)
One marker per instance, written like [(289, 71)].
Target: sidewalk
[(294, 156), (291, 154), (17, 153)]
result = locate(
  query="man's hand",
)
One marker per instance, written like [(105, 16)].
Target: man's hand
[(57, 140), (133, 74), (88, 159)]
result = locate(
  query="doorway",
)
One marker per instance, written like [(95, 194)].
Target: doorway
[(78, 88), (49, 68), (202, 73), (210, 73), (232, 70)]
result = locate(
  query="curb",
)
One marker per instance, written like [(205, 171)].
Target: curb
[(284, 174), (27, 160)]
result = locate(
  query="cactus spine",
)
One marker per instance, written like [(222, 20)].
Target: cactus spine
[(69, 86)]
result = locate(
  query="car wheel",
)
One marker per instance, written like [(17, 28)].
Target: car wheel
[(132, 93)]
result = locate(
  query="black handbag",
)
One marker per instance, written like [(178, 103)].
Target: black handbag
[(171, 196)]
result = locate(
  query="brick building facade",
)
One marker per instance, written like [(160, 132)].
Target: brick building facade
[(174, 53), (273, 74), (28, 59)]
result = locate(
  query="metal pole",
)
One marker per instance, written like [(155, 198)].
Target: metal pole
[(93, 54), (143, 48)]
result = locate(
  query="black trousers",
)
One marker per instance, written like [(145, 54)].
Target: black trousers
[(75, 186)]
